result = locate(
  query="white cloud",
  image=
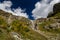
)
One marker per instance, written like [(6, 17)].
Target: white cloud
[(43, 7), (6, 6), (20, 12)]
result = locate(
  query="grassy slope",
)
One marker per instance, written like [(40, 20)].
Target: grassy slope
[(20, 26)]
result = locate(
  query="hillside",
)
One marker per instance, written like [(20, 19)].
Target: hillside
[(14, 27), (50, 26), (17, 28)]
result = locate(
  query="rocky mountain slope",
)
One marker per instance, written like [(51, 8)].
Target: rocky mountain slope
[(20, 28), (17, 28), (50, 26)]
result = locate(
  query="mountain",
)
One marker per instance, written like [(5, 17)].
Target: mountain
[(50, 26), (56, 11), (14, 27), (17, 28)]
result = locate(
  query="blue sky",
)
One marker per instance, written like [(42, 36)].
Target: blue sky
[(32, 9), (25, 4)]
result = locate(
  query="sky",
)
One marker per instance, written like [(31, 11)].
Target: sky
[(32, 9)]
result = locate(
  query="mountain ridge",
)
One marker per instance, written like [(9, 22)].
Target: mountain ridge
[(14, 27)]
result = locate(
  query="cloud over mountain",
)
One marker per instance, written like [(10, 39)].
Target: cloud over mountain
[(6, 6), (43, 7)]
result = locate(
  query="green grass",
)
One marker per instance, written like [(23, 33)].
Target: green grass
[(32, 35), (47, 23), (3, 22), (26, 32), (4, 35), (57, 15)]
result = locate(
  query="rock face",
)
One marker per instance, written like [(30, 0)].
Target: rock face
[(56, 8), (20, 28)]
